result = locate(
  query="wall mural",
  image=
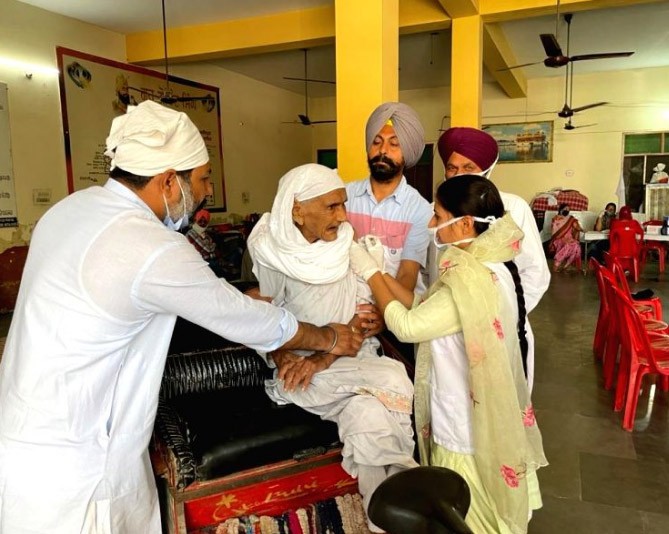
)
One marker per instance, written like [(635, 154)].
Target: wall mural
[(94, 90)]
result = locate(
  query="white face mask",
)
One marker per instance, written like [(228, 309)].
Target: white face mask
[(182, 222), (490, 219), (484, 174)]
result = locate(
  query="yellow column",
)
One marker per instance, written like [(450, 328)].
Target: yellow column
[(466, 71), (367, 53)]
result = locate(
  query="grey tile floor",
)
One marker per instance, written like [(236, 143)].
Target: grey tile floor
[(601, 479)]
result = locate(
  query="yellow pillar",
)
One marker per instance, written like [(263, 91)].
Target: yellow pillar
[(466, 71), (367, 54)]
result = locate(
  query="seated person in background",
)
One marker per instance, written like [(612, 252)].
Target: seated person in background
[(198, 237), (602, 224), (300, 253), (565, 244), (659, 176), (604, 219)]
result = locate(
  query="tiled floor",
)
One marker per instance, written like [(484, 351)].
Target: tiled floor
[(601, 479)]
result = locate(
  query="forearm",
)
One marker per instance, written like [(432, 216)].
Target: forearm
[(311, 337)]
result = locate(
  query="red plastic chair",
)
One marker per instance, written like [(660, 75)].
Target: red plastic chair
[(654, 302), (642, 354), (657, 246), (626, 241), (613, 343), (599, 341)]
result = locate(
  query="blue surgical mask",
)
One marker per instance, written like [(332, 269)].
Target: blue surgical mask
[(182, 222)]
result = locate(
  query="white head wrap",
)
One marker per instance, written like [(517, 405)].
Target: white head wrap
[(659, 167), (278, 244), (150, 138)]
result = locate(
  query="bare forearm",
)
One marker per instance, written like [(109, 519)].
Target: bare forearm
[(334, 338)]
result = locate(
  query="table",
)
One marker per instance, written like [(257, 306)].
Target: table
[(589, 237)]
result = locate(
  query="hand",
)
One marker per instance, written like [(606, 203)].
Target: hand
[(375, 249), (362, 263), (349, 340), (254, 293), (368, 319), (297, 371)]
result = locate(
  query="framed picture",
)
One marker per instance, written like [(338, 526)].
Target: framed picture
[(523, 142), (94, 90)]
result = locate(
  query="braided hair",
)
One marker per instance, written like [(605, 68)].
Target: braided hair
[(477, 196)]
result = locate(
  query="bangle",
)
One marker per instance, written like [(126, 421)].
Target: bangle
[(334, 342)]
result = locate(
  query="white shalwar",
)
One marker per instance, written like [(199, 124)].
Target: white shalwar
[(369, 396), (79, 379), (535, 276)]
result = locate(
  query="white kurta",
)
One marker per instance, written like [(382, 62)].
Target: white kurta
[(534, 273), (80, 375), (369, 397)]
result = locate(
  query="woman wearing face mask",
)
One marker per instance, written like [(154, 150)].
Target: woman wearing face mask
[(472, 404), (565, 245)]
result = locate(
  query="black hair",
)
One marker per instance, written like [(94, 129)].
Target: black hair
[(470, 194), (611, 204), (477, 196), (139, 182)]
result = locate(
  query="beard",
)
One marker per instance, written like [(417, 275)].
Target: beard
[(383, 169), (186, 204)]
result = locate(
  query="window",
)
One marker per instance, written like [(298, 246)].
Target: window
[(642, 152)]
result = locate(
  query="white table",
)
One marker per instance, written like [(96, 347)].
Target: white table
[(589, 237)]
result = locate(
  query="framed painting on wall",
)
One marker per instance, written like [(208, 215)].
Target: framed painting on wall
[(523, 142), (94, 90)]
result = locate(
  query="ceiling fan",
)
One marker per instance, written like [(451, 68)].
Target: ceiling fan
[(169, 97), (304, 119), (554, 56), (567, 110)]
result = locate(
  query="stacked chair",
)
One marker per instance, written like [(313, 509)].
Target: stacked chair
[(653, 246), (631, 328)]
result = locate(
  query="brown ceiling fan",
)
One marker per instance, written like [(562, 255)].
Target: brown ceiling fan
[(567, 110), (169, 97), (554, 56)]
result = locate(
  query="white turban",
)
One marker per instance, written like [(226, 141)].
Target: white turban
[(278, 244), (150, 138), (407, 126)]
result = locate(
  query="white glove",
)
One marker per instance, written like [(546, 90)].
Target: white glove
[(362, 263), (375, 249)]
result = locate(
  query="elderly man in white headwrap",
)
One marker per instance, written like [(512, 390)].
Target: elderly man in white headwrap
[(384, 204), (300, 254), (82, 366)]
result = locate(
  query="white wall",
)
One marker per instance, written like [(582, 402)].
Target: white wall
[(258, 149), (31, 35)]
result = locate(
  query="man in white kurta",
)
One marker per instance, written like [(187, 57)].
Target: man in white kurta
[(301, 259), (81, 370)]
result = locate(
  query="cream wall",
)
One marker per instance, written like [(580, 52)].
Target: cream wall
[(588, 159), (31, 35), (257, 147)]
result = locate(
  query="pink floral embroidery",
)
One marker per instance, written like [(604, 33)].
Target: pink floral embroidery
[(425, 431), (497, 325), (515, 246), (446, 264), (528, 416), (510, 476), (494, 277)]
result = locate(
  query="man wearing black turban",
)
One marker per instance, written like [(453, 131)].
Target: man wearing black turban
[(385, 205)]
